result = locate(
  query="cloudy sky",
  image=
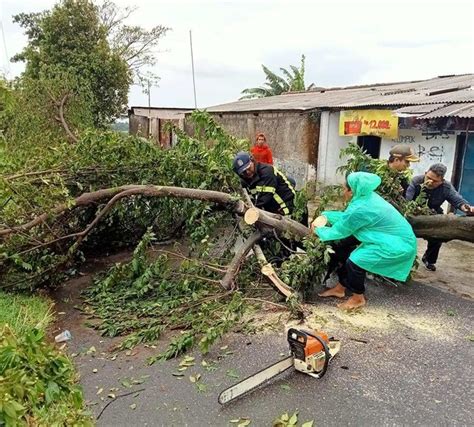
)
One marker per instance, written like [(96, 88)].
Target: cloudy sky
[(345, 42)]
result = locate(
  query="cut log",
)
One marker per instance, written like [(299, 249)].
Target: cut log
[(320, 221), (251, 216), (266, 268)]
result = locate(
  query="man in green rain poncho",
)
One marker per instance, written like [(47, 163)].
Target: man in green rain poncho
[(370, 235)]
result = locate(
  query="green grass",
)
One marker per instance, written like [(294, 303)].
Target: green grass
[(38, 383), (24, 312)]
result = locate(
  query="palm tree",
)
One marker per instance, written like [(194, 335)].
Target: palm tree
[(275, 85)]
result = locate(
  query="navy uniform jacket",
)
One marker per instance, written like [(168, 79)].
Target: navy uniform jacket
[(445, 192), (270, 190)]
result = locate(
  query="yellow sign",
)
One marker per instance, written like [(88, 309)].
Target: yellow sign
[(368, 122)]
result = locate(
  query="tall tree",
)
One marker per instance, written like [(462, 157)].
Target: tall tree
[(94, 45), (134, 44), (292, 80)]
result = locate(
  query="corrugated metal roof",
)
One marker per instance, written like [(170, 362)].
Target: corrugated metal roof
[(449, 89), (454, 110), (419, 109)]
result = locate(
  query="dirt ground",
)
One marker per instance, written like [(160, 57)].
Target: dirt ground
[(454, 270)]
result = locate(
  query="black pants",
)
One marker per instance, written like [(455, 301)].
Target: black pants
[(350, 275), (432, 251)]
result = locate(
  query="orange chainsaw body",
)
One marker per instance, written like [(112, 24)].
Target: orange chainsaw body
[(313, 345), (308, 350)]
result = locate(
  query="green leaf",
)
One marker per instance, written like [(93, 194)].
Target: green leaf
[(201, 387), (232, 373), (52, 392), (294, 419), (308, 424), (10, 409), (126, 382), (19, 391)]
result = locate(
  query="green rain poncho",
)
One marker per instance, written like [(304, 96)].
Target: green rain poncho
[(388, 244)]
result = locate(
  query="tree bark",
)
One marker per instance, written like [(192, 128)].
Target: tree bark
[(129, 190), (443, 227), (228, 281)]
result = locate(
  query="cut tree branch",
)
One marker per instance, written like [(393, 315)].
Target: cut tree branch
[(266, 268), (228, 280), (63, 120), (443, 227)]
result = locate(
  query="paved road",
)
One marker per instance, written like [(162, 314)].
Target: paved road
[(415, 369)]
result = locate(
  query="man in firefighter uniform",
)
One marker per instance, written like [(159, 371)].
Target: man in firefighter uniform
[(269, 189)]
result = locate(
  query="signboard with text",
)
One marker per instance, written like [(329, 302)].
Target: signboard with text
[(381, 123)]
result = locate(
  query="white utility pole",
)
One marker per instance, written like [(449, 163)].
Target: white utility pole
[(192, 65)]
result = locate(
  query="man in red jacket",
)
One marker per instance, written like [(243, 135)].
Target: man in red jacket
[(261, 152)]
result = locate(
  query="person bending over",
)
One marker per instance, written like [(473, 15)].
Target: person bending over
[(383, 239)]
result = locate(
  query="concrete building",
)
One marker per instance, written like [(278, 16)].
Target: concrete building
[(306, 130), (292, 135)]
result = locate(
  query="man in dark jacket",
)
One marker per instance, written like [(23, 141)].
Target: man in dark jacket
[(438, 191), (400, 157), (268, 187)]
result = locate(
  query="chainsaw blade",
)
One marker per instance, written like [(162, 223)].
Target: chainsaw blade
[(255, 380)]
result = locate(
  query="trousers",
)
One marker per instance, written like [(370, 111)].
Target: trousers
[(350, 275), (432, 251)]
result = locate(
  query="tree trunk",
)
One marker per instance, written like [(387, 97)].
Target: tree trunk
[(228, 281), (443, 227)]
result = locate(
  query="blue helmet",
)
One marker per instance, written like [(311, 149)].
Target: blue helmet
[(241, 162)]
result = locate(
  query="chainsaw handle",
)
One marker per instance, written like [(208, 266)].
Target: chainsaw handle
[(326, 353)]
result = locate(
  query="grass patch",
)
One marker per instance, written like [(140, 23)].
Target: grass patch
[(24, 312), (38, 383)]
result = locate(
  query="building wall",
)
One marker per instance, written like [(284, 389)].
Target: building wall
[(138, 125), (292, 136), (330, 145), (431, 149)]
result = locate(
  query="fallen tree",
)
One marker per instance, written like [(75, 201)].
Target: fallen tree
[(81, 200), (443, 227)]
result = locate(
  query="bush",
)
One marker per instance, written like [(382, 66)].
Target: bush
[(37, 383)]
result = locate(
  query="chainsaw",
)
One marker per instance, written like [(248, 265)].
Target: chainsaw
[(310, 353)]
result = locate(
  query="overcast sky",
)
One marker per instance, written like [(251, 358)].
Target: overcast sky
[(345, 42)]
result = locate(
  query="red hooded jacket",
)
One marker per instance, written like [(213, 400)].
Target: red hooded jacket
[(262, 154)]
